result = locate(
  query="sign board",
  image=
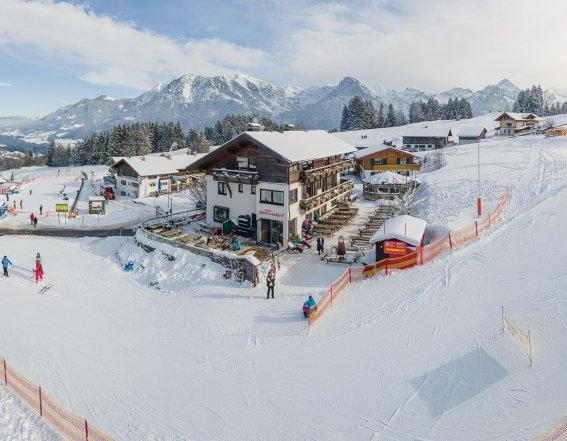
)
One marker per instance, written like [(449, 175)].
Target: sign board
[(60, 208), (96, 206), (394, 247), (268, 213)]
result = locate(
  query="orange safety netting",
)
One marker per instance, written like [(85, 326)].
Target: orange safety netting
[(421, 256), (69, 426)]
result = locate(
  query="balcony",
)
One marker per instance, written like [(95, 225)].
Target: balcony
[(328, 170), (236, 176), (317, 200), (381, 167)]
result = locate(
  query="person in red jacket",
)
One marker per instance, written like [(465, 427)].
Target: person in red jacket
[(32, 216), (38, 272)]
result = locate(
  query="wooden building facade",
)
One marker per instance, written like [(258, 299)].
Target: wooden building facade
[(374, 160)]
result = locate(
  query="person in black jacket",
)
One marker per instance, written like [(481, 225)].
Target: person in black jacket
[(271, 281), (320, 244)]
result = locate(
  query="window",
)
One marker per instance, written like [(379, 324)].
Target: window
[(252, 163), (252, 189), (220, 214), (152, 184), (509, 124), (122, 193), (385, 161), (246, 163), (293, 196), (372, 162), (123, 182), (222, 188), (272, 197), (134, 184), (398, 161), (240, 188)]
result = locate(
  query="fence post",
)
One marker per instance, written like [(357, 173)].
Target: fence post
[(476, 227), (5, 374), (86, 431), (386, 265), (349, 276), (40, 403), (450, 241), (331, 294)]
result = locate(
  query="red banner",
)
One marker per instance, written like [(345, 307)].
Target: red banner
[(394, 247)]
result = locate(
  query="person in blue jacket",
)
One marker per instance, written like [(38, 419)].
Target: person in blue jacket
[(5, 262), (309, 307)]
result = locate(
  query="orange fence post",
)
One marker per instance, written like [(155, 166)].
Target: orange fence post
[(476, 227), (349, 276), (450, 241), (86, 431), (386, 265)]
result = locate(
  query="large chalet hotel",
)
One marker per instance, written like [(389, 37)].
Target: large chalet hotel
[(268, 183)]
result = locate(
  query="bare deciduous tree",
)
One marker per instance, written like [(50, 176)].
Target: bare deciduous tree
[(197, 191)]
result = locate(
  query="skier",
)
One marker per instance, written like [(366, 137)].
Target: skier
[(5, 262), (271, 281), (14, 204), (21, 203), (7, 196), (40, 209), (35, 221), (30, 192), (38, 272), (320, 244), (309, 307), (32, 216)]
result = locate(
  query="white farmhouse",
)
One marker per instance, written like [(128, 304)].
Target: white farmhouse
[(268, 183)]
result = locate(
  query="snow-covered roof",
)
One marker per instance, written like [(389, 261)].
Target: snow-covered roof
[(379, 148), (158, 165), (387, 178), (429, 132), (518, 116), (471, 131), (404, 228), (303, 145)]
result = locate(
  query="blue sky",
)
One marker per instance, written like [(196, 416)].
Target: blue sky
[(55, 52)]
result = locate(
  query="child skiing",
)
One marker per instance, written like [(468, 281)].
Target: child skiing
[(309, 307), (5, 262)]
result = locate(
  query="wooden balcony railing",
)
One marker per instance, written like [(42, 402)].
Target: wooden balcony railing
[(314, 201), (236, 176), (327, 170)]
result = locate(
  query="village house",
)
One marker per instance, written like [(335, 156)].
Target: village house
[(387, 185), (426, 138), (268, 183), (515, 123), (373, 160), (150, 175), (468, 135)]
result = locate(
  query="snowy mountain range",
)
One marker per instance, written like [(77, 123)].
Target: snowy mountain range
[(197, 101)]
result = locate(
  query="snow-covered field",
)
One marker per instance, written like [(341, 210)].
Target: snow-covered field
[(45, 192), (172, 351)]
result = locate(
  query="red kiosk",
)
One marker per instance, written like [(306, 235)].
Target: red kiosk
[(398, 236)]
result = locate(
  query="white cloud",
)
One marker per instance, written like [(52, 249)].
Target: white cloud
[(5, 84), (432, 44), (111, 52)]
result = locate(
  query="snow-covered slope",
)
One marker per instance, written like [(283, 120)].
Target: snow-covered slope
[(414, 356)]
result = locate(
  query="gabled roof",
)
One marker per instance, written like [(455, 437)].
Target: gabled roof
[(298, 145), (387, 177), (405, 228), (373, 150), (291, 146), (471, 131), (157, 165), (427, 132), (518, 116)]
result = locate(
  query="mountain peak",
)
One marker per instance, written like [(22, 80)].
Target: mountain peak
[(507, 84)]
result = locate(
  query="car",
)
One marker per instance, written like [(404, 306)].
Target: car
[(539, 131)]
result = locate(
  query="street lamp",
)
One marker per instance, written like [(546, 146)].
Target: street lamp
[(479, 199)]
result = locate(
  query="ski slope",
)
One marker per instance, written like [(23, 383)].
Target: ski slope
[(172, 351)]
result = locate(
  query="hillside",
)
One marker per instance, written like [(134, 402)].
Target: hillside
[(417, 355)]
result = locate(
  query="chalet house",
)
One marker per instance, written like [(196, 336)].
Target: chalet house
[(387, 185), (468, 135), (268, 183), (373, 160), (515, 123), (426, 138), (143, 176)]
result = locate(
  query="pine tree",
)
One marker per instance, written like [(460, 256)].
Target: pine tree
[(390, 116), (380, 120), (50, 153)]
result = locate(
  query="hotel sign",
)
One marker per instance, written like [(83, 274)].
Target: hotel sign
[(269, 213)]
